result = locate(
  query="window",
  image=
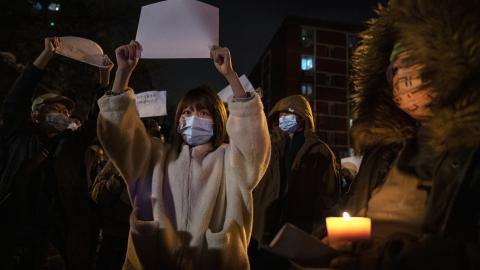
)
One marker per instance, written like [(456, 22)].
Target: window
[(307, 37), (307, 90), (307, 62)]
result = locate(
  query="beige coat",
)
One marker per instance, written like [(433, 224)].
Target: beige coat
[(193, 211)]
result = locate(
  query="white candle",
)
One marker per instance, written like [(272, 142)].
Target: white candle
[(349, 228)]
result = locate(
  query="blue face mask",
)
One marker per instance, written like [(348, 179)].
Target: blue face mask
[(288, 123), (196, 130)]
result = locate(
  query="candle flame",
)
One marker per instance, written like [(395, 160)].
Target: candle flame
[(346, 215)]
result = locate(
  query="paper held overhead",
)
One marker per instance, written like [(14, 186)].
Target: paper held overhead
[(227, 92), (152, 103), (178, 29), (81, 49)]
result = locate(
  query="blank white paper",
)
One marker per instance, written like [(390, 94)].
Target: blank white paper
[(178, 29)]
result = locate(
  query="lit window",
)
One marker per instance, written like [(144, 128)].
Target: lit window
[(307, 89), (307, 62)]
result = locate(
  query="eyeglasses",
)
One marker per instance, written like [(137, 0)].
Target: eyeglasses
[(56, 107)]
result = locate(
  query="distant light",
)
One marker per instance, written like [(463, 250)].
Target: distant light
[(54, 6), (307, 63), (37, 6), (51, 24), (307, 90)]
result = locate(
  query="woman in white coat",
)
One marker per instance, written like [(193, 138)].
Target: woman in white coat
[(192, 200)]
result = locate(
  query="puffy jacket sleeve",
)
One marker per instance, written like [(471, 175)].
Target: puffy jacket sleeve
[(128, 145), (249, 151)]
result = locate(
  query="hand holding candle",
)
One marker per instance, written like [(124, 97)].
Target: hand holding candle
[(349, 228)]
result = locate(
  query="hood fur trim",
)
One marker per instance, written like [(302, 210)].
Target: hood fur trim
[(444, 36)]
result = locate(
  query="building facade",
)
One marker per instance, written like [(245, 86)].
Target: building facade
[(313, 59)]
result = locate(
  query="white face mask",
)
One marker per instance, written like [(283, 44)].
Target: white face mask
[(196, 130), (288, 123), (59, 121)]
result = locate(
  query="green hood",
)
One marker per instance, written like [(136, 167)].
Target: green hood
[(444, 35)]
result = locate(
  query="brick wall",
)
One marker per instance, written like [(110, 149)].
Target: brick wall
[(331, 97)]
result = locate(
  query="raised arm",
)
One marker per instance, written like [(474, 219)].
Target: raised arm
[(249, 151), (16, 108), (127, 60), (122, 133), (223, 62)]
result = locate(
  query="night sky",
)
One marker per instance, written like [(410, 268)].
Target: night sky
[(246, 27)]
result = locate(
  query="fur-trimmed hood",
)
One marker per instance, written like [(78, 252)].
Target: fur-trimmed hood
[(444, 36)]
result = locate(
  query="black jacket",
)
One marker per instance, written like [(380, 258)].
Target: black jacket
[(43, 186), (302, 183)]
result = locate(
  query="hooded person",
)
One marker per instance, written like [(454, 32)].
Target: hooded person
[(302, 182), (417, 123)]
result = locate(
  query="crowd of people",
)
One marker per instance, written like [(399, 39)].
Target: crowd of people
[(109, 191)]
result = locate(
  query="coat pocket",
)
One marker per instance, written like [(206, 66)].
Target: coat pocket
[(216, 240)]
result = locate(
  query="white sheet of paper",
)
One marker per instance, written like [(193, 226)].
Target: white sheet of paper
[(152, 103), (300, 247), (227, 92), (81, 49), (178, 29)]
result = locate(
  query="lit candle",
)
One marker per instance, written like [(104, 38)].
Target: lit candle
[(349, 228)]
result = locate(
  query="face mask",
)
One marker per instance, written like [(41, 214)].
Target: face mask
[(59, 121), (288, 123), (196, 130), (409, 94)]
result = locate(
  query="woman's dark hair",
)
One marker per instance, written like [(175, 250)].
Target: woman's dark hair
[(203, 97)]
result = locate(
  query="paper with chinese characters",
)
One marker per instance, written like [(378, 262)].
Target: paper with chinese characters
[(152, 103)]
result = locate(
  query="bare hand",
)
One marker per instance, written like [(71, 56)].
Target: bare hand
[(342, 262), (128, 55), (51, 44), (345, 259), (338, 245), (222, 60)]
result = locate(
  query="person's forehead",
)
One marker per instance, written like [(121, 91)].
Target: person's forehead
[(195, 107)]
